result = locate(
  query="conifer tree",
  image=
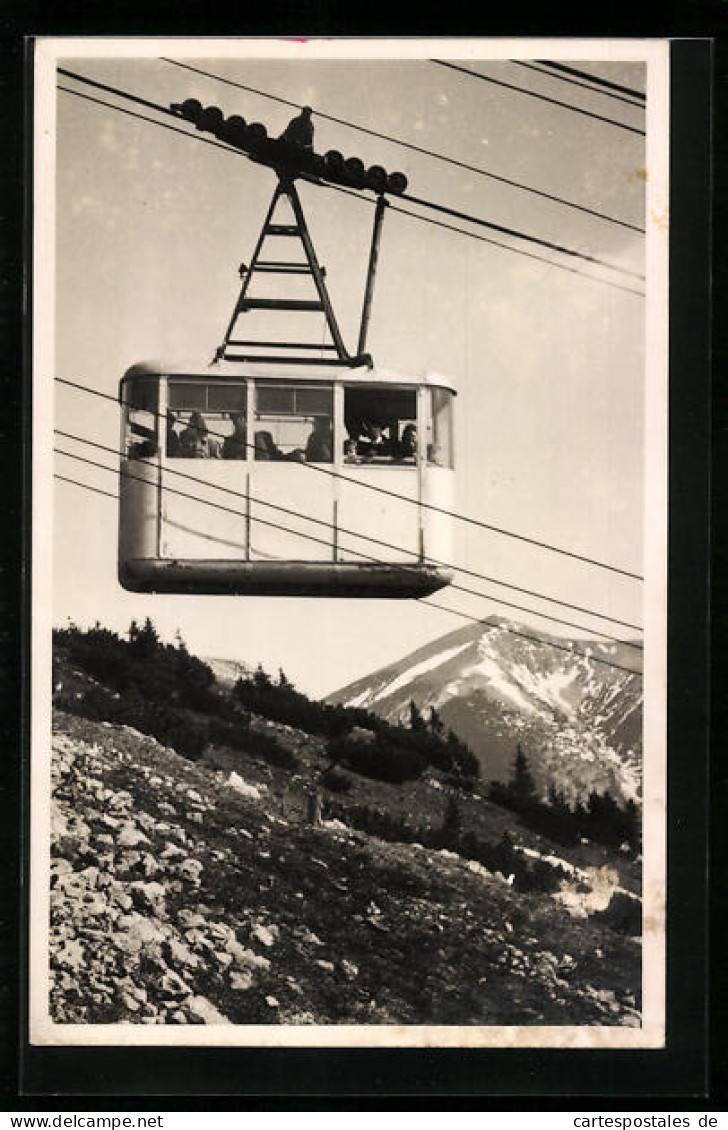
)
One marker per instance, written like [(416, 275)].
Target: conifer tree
[(522, 788), (417, 722)]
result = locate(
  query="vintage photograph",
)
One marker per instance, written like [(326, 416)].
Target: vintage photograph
[(366, 747)]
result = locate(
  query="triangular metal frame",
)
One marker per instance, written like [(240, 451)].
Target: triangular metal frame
[(235, 349)]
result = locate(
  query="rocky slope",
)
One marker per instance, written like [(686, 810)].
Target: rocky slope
[(189, 893), (578, 719)]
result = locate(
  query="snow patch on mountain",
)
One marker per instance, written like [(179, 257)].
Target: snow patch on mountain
[(497, 679), (414, 672), (578, 718)]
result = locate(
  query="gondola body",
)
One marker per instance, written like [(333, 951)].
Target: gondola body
[(265, 510)]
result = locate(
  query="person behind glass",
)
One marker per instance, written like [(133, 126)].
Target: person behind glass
[(377, 445), (195, 441), (320, 445), (407, 446), (172, 437), (235, 446)]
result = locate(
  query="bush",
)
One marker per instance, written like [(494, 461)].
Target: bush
[(377, 759), (376, 822), (623, 914), (335, 781)]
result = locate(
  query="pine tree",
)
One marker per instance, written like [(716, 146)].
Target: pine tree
[(417, 722), (436, 723), (261, 678), (522, 788)]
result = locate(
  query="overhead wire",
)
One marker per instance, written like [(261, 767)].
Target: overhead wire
[(541, 97), (493, 242), (320, 469), (541, 70), (411, 146), (534, 639), (247, 498), (500, 627), (519, 235), (425, 219), (593, 78)]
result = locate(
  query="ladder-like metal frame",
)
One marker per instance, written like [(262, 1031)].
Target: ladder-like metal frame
[(236, 349)]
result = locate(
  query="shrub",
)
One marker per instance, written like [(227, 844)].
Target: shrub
[(378, 759), (623, 914), (335, 781)]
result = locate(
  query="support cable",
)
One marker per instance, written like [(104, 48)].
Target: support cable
[(541, 97), (541, 70), (424, 219), (474, 619), (414, 148), (374, 541)]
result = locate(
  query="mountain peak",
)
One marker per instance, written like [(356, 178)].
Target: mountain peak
[(574, 705)]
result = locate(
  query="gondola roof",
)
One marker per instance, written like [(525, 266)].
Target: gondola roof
[(282, 369)]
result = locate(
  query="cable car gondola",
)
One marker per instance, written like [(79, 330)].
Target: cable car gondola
[(218, 496), (272, 471)]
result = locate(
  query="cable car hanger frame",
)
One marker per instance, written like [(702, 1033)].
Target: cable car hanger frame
[(291, 156)]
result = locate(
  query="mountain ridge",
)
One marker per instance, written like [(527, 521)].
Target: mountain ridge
[(575, 706)]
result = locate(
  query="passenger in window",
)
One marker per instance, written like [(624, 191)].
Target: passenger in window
[(196, 442), (320, 444), (407, 446), (377, 445), (235, 446), (172, 437), (350, 455), (265, 447)]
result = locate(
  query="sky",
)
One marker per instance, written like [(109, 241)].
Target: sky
[(150, 227)]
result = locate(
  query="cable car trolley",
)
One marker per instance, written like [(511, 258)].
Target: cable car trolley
[(286, 467)]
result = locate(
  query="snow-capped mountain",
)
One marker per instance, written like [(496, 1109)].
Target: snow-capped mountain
[(497, 683)]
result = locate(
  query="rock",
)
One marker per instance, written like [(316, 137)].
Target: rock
[(71, 955), (203, 1011), (272, 1002), (350, 970), (254, 960), (190, 869), (130, 1002), (222, 931), (241, 982), (266, 935), (236, 782), (118, 895), (149, 865), (136, 932), (130, 836), (172, 985), (149, 896), (177, 952), (190, 918), (61, 867), (120, 800), (327, 966)]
